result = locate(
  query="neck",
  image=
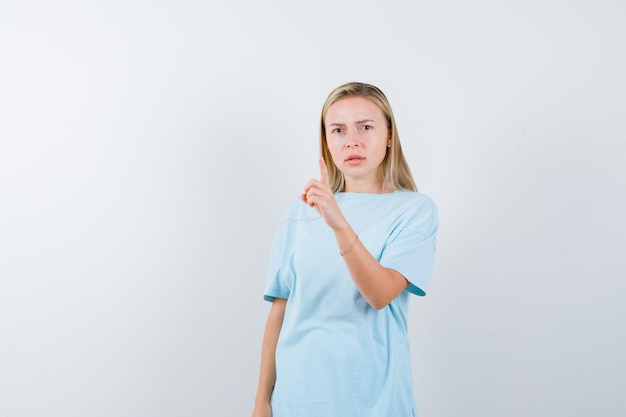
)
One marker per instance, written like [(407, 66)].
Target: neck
[(365, 187)]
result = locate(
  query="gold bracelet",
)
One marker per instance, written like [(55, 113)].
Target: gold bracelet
[(343, 252)]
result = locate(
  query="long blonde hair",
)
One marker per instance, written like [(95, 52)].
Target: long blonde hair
[(394, 168)]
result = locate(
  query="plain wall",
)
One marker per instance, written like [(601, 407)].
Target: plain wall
[(149, 149)]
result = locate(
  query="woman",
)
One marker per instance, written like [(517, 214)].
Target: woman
[(345, 258)]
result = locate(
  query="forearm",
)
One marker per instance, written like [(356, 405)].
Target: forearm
[(267, 374), (377, 284)]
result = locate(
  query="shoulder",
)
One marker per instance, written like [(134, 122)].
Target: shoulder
[(414, 200), (418, 210)]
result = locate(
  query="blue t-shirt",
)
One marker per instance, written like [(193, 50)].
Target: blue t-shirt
[(336, 355)]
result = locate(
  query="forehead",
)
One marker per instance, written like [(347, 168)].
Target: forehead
[(353, 109)]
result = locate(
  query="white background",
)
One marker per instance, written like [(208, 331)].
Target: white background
[(149, 149)]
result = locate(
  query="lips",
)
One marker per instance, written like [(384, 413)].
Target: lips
[(354, 160)]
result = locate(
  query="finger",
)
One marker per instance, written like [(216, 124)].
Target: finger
[(314, 183), (308, 192), (308, 186), (310, 200), (323, 171), (311, 196)]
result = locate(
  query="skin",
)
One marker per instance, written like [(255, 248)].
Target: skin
[(355, 126), (267, 374)]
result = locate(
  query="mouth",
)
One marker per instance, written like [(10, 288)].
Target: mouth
[(354, 159)]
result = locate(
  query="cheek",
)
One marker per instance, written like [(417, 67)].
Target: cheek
[(334, 148), (336, 157), (382, 151)]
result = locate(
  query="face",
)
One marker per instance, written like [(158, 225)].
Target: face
[(357, 137)]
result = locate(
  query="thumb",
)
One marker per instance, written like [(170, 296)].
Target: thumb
[(323, 171)]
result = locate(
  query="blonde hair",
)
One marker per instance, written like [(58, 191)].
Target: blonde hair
[(394, 168)]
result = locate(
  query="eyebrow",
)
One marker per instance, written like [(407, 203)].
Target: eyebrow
[(357, 122)]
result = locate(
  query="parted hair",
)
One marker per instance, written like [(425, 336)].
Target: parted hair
[(394, 168)]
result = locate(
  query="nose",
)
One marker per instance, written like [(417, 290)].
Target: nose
[(351, 140)]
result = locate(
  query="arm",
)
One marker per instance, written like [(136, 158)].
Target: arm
[(267, 374), (377, 284)]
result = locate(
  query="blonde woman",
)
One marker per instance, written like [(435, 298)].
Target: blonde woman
[(347, 256)]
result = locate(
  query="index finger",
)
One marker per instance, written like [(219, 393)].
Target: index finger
[(323, 171)]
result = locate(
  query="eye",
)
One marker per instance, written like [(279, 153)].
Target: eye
[(366, 127), (336, 130)]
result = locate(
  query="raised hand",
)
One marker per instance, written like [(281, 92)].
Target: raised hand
[(318, 194)]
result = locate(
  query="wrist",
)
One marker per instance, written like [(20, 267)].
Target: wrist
[(342, 252), (346, 238), (262, 399), (258, 404)]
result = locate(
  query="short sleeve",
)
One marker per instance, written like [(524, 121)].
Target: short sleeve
[(280, 271), (411, 248)]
